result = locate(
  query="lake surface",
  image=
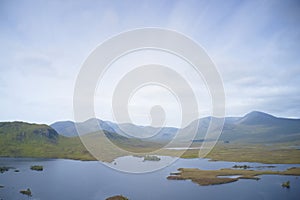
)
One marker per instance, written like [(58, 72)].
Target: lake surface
[(91, 180)]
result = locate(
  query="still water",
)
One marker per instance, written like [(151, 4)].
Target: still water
[(70, 179)]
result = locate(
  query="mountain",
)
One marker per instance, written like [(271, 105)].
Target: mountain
[(69, 129), (257, 118), (22, 132), (21, 139), (145, 132), (18, 138), (65, 128), (254, 127)]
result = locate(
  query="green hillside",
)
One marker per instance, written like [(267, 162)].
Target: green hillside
[(20, 139)]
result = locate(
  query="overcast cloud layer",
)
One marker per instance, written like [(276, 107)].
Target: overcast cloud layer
[(254, 44)]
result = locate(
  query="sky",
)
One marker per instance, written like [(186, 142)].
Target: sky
[(254, 45)]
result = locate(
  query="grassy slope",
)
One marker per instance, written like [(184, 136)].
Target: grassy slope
[(18, 139), (63, 148)]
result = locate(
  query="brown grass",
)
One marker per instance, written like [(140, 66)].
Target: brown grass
[(211, 177)]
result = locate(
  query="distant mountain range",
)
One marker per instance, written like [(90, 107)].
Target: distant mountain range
[(21, 139), (69, 129), (254, 127)]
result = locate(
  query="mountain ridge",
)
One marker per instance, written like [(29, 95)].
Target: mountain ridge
[(254, 126), (22, 139)]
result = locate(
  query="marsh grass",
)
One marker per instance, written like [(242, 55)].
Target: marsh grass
[(286, 184), (212, 177), (26, 192), (37, 168)]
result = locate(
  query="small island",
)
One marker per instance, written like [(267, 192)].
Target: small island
[(286, 184), (26, 192), (222, 176), (151, 158), (5, 169), (37, 168), (241, 166), (118, 197)]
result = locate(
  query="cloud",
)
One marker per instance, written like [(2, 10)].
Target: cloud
[(254, 44)]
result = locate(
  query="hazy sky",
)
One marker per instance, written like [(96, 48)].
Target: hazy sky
[(254, 44)]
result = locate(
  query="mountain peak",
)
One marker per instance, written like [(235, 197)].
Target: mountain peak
[(256, 117), (258, 113)]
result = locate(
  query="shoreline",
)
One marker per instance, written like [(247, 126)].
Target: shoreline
[(238, 152), (89, 160)]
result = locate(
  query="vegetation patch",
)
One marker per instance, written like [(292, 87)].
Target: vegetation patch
[(151, 158), (5, 169), (118, 197), (241, 166), (212, 177), (286, 184), (26, 192), (37, 168), (278, 153), (269, 166)]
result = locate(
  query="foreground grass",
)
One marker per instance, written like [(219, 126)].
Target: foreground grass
[(212, 177)]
